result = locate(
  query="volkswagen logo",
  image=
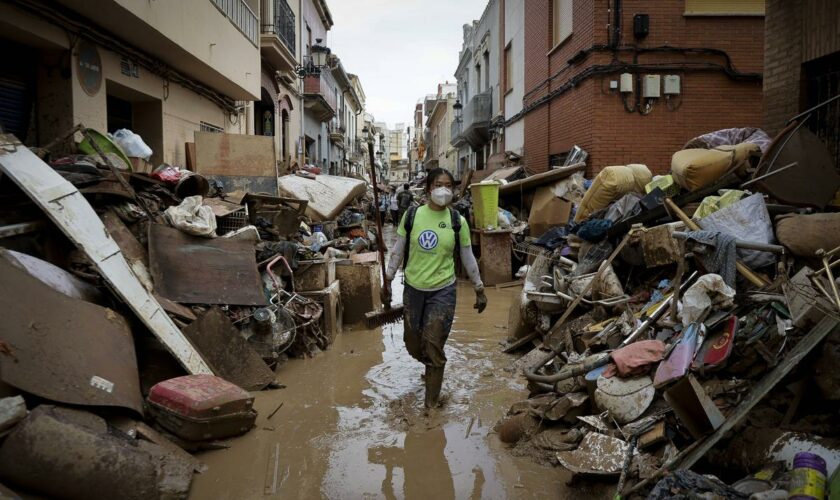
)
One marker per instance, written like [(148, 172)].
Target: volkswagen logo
[(428, 240)]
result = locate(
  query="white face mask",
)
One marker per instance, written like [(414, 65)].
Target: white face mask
[(442, 196)]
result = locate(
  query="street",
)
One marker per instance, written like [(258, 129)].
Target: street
[(352, 423)]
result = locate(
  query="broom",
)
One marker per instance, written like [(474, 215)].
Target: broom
[(386, 314)]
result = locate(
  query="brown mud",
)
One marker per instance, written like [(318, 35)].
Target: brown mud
[(352, 424)]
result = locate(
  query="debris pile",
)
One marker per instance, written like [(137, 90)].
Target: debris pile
[(142, 306), (680, 321)]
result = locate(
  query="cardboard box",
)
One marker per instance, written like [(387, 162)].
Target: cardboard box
[(140, 166), (313, 275), (548, 211)]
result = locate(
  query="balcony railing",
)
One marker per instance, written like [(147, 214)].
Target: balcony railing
[(320, 88), (241, 16), (478, 110), (284, 22)]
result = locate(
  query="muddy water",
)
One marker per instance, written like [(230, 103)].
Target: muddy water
[(352, 423)]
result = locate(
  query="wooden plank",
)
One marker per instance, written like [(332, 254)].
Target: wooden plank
[(802, 348), (194, 270), (515, 346), (69, 210), (234, 155), (189, 149), (538, 180), (495, 263)]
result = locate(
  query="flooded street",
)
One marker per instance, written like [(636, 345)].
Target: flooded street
[(352, 424)]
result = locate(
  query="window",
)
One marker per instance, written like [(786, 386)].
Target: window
[(209, 127), (507, 74), (478, 78), (561, 20), (724, 7), (486, 70)]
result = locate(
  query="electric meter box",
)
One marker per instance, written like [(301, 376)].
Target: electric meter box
[(626, 83), (672, 84), (651, 86)]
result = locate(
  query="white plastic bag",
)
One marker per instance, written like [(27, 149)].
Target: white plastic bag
[(709, 291), (192, 217), (132, 144)]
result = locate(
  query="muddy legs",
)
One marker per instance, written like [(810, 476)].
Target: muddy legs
[(434, 381)]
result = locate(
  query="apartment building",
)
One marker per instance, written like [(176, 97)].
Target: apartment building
[(73, 61), (802, 67), (631, 81), (478, 128), (440, 112), (278, 113)]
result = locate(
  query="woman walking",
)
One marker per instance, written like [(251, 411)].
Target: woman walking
[(428, 239)]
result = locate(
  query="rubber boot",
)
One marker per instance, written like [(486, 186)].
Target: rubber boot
[(434, 381)]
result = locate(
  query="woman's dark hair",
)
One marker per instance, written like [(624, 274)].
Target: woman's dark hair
[(433, 174)]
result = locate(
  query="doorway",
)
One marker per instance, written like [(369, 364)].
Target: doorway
[(138, 112)]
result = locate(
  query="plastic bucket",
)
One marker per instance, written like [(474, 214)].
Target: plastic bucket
[(485, 199)]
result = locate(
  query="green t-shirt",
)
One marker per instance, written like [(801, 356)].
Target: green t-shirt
[(431, 262)]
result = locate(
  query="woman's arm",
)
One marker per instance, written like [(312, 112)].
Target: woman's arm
[(471, 266), (396, 258)]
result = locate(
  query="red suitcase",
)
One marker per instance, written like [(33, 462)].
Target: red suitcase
[(202, 407)]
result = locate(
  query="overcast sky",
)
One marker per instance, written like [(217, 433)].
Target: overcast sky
[(401, 49)]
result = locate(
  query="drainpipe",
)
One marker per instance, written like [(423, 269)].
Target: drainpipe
[(302, 138)]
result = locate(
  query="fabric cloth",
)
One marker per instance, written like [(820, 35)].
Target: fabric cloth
[(554, 237), (722, 260), (427, 321), (635, 359), (467, 260), (594, 230), (731, 137), (394, 203), (431, 265)]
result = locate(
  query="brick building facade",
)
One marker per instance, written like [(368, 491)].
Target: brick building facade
[(802, 66), (571, 103)]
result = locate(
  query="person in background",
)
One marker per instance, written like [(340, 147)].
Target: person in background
[(395, 208), (404, 200), (383, 207), (428, 239)]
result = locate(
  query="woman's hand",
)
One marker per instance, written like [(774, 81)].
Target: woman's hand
[(480, 300), (385, 293)]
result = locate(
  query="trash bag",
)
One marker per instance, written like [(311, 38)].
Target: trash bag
[(746, 220), (803, 235), (132, 144), (694, 169), (610, 184), (192, 217), (709, 291), (712, 204)]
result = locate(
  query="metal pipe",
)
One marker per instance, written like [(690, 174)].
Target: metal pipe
[(21, 228), (768, 174), (654, 317), (811, 110), (747, 245), (740, 266)]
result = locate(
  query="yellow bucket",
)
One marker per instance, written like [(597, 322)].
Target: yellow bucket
[(485, 199)]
